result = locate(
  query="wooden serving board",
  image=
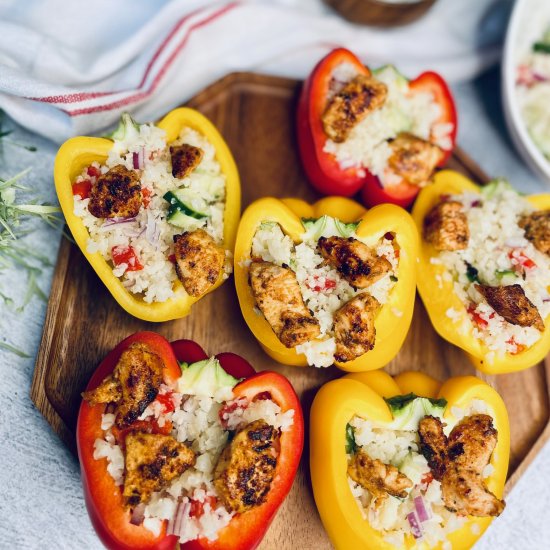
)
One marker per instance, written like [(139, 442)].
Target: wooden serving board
[(255, 114)]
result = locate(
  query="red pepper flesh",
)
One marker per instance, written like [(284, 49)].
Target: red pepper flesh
[(322, 169), (104, 499)]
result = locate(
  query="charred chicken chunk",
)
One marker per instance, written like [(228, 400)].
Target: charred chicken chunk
[(537, 229), (277, 294), (379, 479), (134, 384), (109, 391), (459, 460), (354, 327), (413, 158), (471, 444), (433, 445), (246, 467), (152, 461), (354, 260), (357, 99), (199, 261), (185, 158), (511, 303), (446, 226), (116, 194)]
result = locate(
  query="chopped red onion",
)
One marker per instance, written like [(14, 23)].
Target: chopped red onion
[(416, 529), (115, 221), (135, 160), (138, 159), (138, 515), (177, 521), (422, 511)]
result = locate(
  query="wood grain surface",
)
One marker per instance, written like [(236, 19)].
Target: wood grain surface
[(255, 114)]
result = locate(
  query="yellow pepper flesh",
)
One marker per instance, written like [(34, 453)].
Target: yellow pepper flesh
[(78, 152), (363, 394), (438, 294), (392, 322)]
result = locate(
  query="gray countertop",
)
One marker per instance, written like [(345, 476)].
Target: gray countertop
[(41, 499)]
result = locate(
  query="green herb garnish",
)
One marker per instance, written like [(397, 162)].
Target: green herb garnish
[(472, 273), (351, 446)]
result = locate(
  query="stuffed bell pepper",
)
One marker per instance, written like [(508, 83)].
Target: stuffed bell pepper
[(178, 447), (373, 131), (328, 283), (154, 209), (408, 462), (484, 271)]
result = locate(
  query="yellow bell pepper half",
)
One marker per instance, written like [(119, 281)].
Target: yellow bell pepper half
[(438, 294), (78, 152), (393, 320), (363, 394)]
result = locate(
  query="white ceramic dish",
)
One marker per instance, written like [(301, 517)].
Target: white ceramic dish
[(529, 20)]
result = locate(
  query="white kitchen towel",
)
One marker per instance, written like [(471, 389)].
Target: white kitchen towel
[(70, 67)]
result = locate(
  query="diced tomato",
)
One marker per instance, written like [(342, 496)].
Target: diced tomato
[(93, 172), (166, 401), (228, 408), (146, 196), (126, 255), (197, 507), (263, 396), (82, 189), (476, 317), (520, 259), (427, 478), (147, 426), (318, 287)]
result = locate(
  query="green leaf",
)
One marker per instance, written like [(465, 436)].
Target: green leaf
[(351, 446), (472, 273), (14, 350), (541, 47)]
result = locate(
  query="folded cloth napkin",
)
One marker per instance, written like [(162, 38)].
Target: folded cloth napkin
[(71, 67)]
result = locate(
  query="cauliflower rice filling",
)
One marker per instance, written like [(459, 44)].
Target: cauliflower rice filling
[(323, 289), (500, 254), (204, 424), (149, 234), (401, 449), (368, 143)]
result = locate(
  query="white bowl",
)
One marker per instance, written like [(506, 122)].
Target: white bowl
[(529, 20)]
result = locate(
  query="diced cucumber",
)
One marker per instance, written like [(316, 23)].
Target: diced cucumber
[(126, 129), (495, 187), (390, 73), (178, 218), (408, 410), (177, 200), (506, 276), (351, 446), (327, 226)]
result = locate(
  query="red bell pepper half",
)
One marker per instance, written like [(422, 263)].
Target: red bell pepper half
[(104, 499), (322, 169)]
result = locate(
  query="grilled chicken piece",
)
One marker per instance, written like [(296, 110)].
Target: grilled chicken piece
[(511, 303), (152, 461), (185, 158), (355, 101), (199, 261), (246, 467), (446, 226), (459, 460), (354, 327), (537, 229), (278, 296), (134, 384), (433, 444), (109, 391), (413, 158), (471, 444), (379, 479), (116, 194), (354, 260)]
